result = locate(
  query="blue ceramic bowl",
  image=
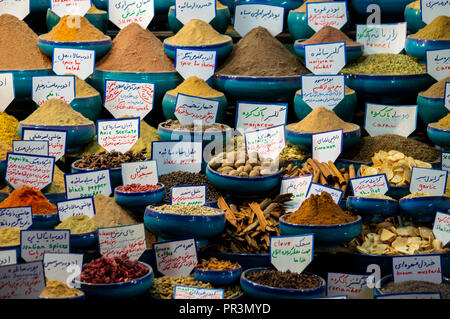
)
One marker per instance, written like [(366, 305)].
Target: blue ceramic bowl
[(439, 136), (77, 135), (129, 289), (418, 47), (169, 226), (98, 20), (345, 109), (397, 192), (164, 81), (140, 199), (162, 6), (266, 292), (246, 261), (220, 22), (387, 279), (44, 221), (343, 163), (101, 4), (352, 53), (100, 47), (305, 139), (2, 171), (222, 49), (16, 248), (373, 210), (431, 109), (22, 79), (39, 5), (413, 18), (243, 186), (388, 7), (324, 235), (218, 277), (249, 88), (80, 241), (423, 209), (89, 106), (115, 173), (169, 104)]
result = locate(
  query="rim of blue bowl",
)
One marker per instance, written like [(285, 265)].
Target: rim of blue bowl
[(203, 46), (9, 247), (427, 41), (386, 77), (434, 99), (424, 198), (296, 12), (345, 134), (441, 130), (210, 98), (284, 291), (219, 272), (78, 236), (42, 217), (239, 178), (189, 132), (33, 70), (59, 127), (75, 43), (134, 74), (312, 227), (369, 199), (92, 169), (134, 194), (85, 97), (181, 217), (288, 78)]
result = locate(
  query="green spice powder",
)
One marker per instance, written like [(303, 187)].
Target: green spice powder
[(385, 64)]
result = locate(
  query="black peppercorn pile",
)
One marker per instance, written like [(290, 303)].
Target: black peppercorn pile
[(287, 280), (109, 159)]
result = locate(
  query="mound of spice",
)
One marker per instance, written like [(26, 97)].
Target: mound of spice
[(417, 194), (292, 152), (8, 128), (414, 5), (329, 34), (106, 270), (9, 236), (443, 123), (137, 188), (197, 32), (82, 89), (94, 10), (438, 29), (80, 224), (319, 120), (71, 28), (215, 264), (176, 125), (260, 54), (110, 214), (56, 289), (19, 46), (302, 8), (136, 49), (109, 159), (437, 90), (417, 286), (56, 112), (320, 210), (184, 209), (196, 87), (4, 150), (29, 196), (377, 196), (385, 64), (285, 279)]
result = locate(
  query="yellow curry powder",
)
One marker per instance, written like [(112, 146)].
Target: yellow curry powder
[(4, 149), (9, 236), (438, 29), (58, 289), (94, 10), (414, 5), (302, 8), (443, 123), (74, 29), (78, 224), (197, 32), (82, 89), (8, 128), (196, 87)]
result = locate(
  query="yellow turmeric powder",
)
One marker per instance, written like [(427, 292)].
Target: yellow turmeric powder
[(197, 32), (196, 87), (4, 149), (94, 10), (73, 28), (8, 128)]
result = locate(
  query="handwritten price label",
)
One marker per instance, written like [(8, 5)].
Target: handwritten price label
[(76, 207), (16, 217), (184, 292), (268, 143), (186, 10), (75, 61), (200, 63), (328, 58), (118, 135), (31, 170), (445, 161), (129, 98), (254, 116), (374, 184), (293, 253), (324, 14), (125, 12), (431, 9), (88, 184), (438, 64), (171, 156), (22, 281), (145, 173), (189, 195), (317, 189), (351, 285), (191, 109), (323, 90), (8, 257), (34, 243), (122, 240), (53, 87), (31, 147), (427, 180), (176, 258), (327, 146), (250, 16), (381, 38), (70, 7), (56, 265), (56, 140), (6, 90), (441, 227), (390, 119), (297, 186), (420, 268), (17, 8), (447, 95)]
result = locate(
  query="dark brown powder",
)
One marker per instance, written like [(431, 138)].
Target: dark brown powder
[(260, 54), (136, 50), (417, 286), (437, 90), (329, 34)]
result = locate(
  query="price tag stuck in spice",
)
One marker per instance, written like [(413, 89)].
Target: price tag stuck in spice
[(390, 119), (323, 90), (186, 10), (252, 116), (427, 180), (30, 285), (291, 253), (122, 240), (298, 186), (123, 13), (31, 170), (441, 227), (382, 38), (438, 63), (322, 14), (195, 110), (56, 140), (176, 258), (53, 87), (327, 146), (188, 195), (76, 61), (34, 243), (374, 184), (249, 16), (118, 135), (199, 63), (16, 217), (419, 268), (144, 173), (76, 207), (172, 156), (30, 147), (88, 184), (325, 59)]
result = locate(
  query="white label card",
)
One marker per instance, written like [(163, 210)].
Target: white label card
[(75, 61), (431, 9), (441, 227), (255, 116), (129, 98), (438, 63), (88, 184), (317, 189), (322, 14), (8, 257), (76, 207), (447, 95), (70, 7), (328, 58), (18, 8), (291, 253), (327, 146), (298, 186), (268, 143), (184, 292), (427, 180), (122, 240), (31, 170), (31, 147), (390, 119), (6, 90), (381, 38), (30, 285), (125, 12), (60, 266), (199, 63), (53, 87), (445, 161), (420, 268), (323, 90), (118, 135), (171, 156), (16, 217), (186, 10), (56, 140), (145, 173), (192, 109), (250, 16), (353, 286), (374, 184), (176, 258), (188, 195), (34, 243)]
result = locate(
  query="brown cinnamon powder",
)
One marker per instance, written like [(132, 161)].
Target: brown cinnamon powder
[(329, 34)]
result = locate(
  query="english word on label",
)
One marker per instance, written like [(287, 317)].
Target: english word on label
[(438, 64), (88, 184), (382, 38), (255, 116), (427, 180), (118, 135), (176, 258), (188, 195), (390, 119), (31, 170), (76, 61), (34, 243), (327, 146)]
